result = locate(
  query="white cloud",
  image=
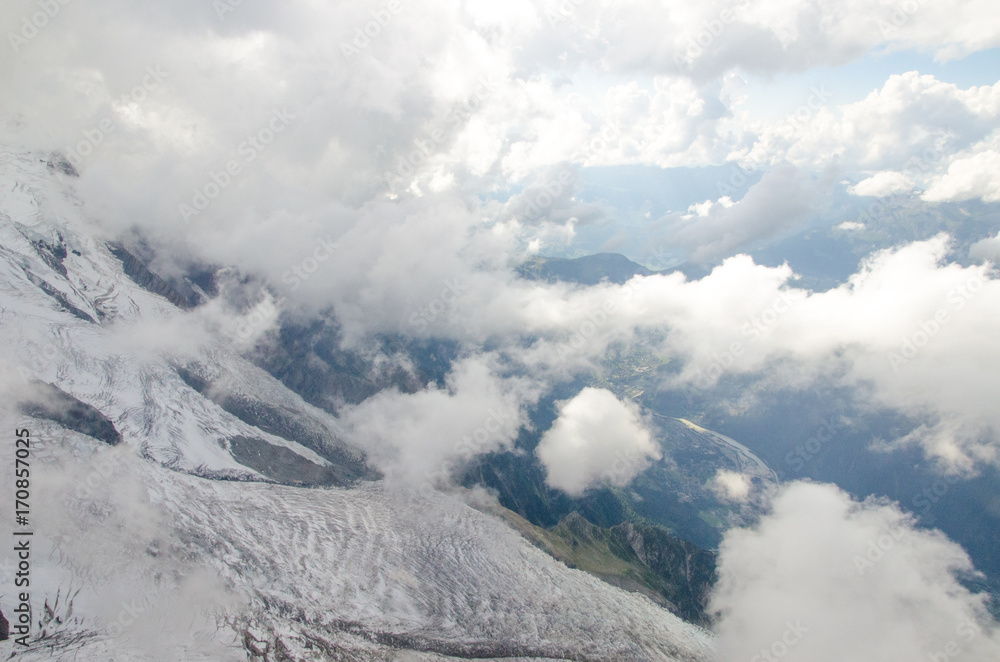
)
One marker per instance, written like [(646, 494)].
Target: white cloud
[(596, 438), (764, 36), (911, 126), (887, 182), (967, 178), (909, 331), (490, 101), (417, 438), (383, 171), (986, 249), (824, 578), (732, 485), (781, 201)]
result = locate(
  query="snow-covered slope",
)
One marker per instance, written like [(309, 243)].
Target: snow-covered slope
[(164, 561), (71, 317)]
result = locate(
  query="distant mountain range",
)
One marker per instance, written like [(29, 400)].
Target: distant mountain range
[(586, 270)]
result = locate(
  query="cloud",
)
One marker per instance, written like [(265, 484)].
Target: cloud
[(371, 181), (764, 36), (887, 182), (911, 126), (968, 177), (782, 200), (823, 577), (986, 249), (596, 438), (104, 543), (417, 438), (732, 485), (375, 197)]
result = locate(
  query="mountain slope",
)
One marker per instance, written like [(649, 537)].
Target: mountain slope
[(141, 552)]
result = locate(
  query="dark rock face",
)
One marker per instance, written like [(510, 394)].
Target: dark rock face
[(60, 164), (278, 463), (640, 558), (60, 298), (309, 360), (285, 466), (52, 255), (4, 628), (136, 269), (686, 570), (52, 403)]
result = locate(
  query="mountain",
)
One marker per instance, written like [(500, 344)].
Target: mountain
[(189, 505), (586, 270), (646, 559)]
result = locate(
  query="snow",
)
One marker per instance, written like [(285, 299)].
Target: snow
[(170, 565)]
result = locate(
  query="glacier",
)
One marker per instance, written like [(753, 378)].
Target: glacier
[(169, 547)]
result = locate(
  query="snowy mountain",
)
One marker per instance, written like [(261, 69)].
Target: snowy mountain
[(235, 520)]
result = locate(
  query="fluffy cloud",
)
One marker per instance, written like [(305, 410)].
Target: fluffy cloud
[(986, 249), (732, 485), (909, 331), (782, 200), (416, 438), (823, 577), (911, 125), (887, 182), (764, 36), (370, 198), (596, 438), (968, 177)]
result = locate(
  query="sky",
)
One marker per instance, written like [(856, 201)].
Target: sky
[(398, 160)]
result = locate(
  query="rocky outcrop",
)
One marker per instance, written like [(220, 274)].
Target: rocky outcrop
[(52, 403)]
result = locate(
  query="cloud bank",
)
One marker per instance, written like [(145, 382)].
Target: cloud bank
[(823, 577)]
